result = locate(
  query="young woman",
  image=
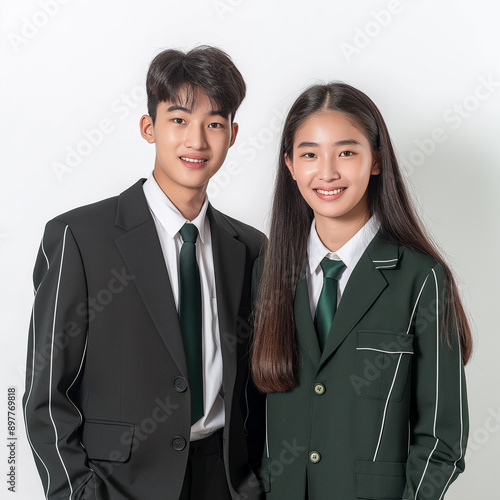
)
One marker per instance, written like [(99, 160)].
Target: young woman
[(360, 337)]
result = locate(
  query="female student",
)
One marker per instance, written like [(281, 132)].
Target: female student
[(360, 337)]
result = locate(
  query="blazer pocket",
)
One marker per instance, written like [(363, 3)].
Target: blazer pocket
[(107, 440), (380, 480), (382, 362)]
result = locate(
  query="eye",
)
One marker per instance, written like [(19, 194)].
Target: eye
[(179, 121), (308, 155), (347, 153), (215, 125)]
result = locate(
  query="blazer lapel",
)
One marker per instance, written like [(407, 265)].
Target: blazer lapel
[(143, 256), (229, 256), (363, 288), (304, 324)]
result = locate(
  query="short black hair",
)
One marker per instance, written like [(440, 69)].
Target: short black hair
[(174, 75)]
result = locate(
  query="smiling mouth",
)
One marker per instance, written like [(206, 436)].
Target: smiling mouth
[(329, 193), (192, 160)]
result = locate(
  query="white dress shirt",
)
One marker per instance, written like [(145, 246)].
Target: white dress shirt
[(349, 254), (168, 221)]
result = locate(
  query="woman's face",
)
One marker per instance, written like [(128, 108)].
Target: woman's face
[(332, 164)]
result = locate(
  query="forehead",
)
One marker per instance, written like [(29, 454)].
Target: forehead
[(327, 125)]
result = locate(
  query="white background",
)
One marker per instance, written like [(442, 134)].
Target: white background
[(67, 65)]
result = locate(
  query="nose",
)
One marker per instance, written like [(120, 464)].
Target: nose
[(195, 137), (327, 170)]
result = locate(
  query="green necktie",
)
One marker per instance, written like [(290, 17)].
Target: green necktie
[(327, 303), (190, 317)]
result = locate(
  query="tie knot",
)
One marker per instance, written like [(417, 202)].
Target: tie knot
[(332, 268), (189, 232)]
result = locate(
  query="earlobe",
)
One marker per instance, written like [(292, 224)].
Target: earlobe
[(375, 168), (234, 132), (289, 164), (147, 128)]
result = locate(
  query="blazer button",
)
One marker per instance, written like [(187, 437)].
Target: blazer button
[(319, 389), (180, 384), (178, 443), (314, 457)]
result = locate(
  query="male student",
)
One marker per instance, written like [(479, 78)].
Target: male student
[(137, 384)]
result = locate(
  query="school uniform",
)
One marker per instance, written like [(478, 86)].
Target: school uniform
[(381, 411), (108, 394)]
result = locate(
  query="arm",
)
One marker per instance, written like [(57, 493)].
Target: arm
[(56, 350), (439, 416), (255, 424), (256, 400)]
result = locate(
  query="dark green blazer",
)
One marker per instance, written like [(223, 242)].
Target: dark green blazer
[(382, 412)]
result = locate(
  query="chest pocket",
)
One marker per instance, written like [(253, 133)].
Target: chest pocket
[(382, 364)]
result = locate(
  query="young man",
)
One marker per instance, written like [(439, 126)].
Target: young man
[(137, 385)]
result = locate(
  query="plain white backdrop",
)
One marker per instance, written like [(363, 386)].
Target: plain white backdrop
[(72, 83)]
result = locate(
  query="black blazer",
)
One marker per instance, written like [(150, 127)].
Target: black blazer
[(107, 402)]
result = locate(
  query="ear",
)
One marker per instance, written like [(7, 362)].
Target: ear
[(147, 128), (289, 164), (234, 132), (375, 168)]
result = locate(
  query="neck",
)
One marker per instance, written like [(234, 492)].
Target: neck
[(335, 233), (187, 201)]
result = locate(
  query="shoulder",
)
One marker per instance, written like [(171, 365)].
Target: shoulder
[(97, 223), (418, 260), (422, 269), (103, 214), (413, 265), (88, 214), (248, 235), (90, 223)]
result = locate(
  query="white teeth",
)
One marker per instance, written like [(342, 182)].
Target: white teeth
[(192, 160), (329, 193)]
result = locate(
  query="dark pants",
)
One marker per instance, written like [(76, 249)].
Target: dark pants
[(205, 477)]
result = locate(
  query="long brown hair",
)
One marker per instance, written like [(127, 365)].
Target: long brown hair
[(275, 351)]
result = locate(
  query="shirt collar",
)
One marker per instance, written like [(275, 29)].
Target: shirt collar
[(167, 214), (349, 254)]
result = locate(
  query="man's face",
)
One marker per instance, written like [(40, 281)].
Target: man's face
[(191, 143)]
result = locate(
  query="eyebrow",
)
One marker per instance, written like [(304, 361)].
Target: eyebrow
[(214, 112), (345, 142), (179, 108)]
